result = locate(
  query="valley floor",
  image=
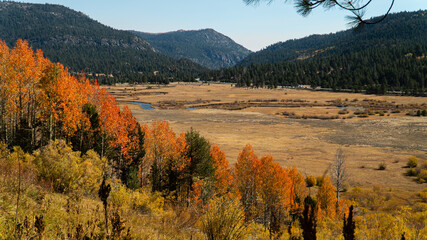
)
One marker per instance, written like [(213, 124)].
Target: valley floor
[(308, 144)]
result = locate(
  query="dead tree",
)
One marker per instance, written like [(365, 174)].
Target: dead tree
[(339, 173)]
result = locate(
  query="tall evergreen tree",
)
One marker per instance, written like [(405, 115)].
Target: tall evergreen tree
[(349, 225), (308, 219)]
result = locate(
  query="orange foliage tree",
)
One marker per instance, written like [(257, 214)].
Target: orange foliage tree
[(223, 177), (41, 101), (72, 98), (5, 93), (21, 70), (245, 171), (298, 190), (125, 139), (48, 99), (327, 201), (275, 189), (165, 153)]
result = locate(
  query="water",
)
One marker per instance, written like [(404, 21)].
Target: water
[(143, 105), (342, 107), (191, 108)]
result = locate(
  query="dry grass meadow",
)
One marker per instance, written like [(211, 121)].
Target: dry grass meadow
[(286, 123)]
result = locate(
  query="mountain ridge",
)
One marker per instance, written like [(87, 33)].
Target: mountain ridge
[(204, 46), (84, 44), (382, 34), (388, 57)]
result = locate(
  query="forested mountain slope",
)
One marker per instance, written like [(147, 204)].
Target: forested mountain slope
[(390, 56), (400, 29), (206, 47), (83, 44)]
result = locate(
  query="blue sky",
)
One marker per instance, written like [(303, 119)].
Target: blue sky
[(254, 27)]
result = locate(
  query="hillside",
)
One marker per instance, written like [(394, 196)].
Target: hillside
[(76, 165), (401, 29), (83, 44), (206, 47), (385, 58)]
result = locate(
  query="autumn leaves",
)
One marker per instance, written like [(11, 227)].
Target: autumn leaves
[(41, 101), (271, 194)]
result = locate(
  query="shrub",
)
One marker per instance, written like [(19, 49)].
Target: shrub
[(412, 172), (143, 200), (345, 187), (363, 115), (319, 181), (4, 152), (423, 195), (311, 181), (120, 196), (412, 162), (382, 166), (224, 219), (422, 176), (147, 202), (91, 170), (66, 170), (58, 164)]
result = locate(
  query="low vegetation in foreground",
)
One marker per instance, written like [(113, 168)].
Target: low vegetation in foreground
[(73, 165)]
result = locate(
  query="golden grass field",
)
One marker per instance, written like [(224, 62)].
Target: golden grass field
[(309, 144)]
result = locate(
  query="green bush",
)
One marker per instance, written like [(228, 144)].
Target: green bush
[(382, 166)]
